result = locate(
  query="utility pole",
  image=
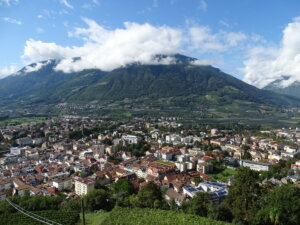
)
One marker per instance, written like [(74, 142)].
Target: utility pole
[(82, 209)]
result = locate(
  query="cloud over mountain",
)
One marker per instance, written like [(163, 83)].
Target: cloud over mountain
[(108, 49), (8, 70), (267, 64)]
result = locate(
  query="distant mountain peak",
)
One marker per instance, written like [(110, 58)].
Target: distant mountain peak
[(285, 85)]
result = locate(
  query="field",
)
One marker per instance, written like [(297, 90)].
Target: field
[(224, 175), (62, 217), (164, 163), (138, 216), (94, 218), (22, 120)]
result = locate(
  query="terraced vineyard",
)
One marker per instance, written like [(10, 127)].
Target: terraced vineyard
[(61, 217), (138, 216)]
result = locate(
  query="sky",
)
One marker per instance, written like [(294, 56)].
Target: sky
[(254, 40)]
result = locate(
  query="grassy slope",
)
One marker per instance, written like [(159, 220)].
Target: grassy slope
[(22, 120), (94, 218), (137, 216), (224, 175)]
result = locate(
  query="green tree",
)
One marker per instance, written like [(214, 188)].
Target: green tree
[(123, 187), (73, 205), (244, 195), (197, 180), (199, 204), (148, 194), (107, 141), (247, 156), (5, 207), (97, 199), (280, 206)]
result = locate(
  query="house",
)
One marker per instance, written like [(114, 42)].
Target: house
[(83, 186), (296, 166), (130, 139), (216, 190), (17, 150), (172, 194), (5, 184), (24, 141), (205, 167), (255, 165), (62, 183)]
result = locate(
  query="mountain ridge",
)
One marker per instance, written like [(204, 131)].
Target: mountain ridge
[(180, 84), (291, 90)]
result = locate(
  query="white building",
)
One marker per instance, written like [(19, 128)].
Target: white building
[(216, 190), (83, 186), (17, 150), (130, 139), (62, 183), (255, 165)]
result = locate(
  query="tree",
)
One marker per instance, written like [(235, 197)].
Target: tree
[(199, 204), (280, 206), (247, 156), (97, 199), (5, 207), (148, 194), (245, 147), (219, 213), (244, 195), (107, 141), (73, 205), (172, 204), (123, 187), (197, 180)]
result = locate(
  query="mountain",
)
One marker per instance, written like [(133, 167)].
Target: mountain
[(292, 90), (182, 85)]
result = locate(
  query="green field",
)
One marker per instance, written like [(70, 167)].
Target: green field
[(94, 218), (22, 120), (138, 216), (165, 163), (223, 175)]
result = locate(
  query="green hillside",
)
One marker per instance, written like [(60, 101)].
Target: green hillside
[(180, 88), (138, 216)]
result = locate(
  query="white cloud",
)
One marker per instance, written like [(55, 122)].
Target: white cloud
[(266, 64), (8, 2), (107, 49), (204, 40), (234, 38), (203, 5), (36, 66), (36, 51), (66, 3), (6, 71), (11, 20)]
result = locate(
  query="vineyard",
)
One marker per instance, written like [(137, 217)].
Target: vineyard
[(62, 217), (138, 216)]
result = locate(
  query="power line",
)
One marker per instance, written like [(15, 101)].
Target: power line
[(32, 215)]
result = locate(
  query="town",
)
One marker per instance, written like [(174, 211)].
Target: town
[(74, 154)]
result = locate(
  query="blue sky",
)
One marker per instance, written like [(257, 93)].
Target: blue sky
[(247, 38)]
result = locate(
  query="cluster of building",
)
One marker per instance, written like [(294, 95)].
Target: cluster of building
[(43, 159)]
